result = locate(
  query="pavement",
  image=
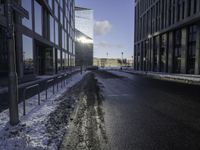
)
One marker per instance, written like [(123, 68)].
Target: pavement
[(114, 110), (146, 114)]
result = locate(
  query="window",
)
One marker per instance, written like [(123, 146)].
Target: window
[(28, 54), (50, 2), (192, 31), (38, 17), (63, 39), (61, 17), (56, 33), (163, 52), (52, 28), (27, 4), (56, 9), (177, 51), (59, 59), (66, 60), (155, 65)]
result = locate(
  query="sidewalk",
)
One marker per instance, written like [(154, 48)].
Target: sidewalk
[(38, 130), (181, 78)]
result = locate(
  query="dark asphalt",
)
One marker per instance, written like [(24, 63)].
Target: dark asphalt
[(147, 114)]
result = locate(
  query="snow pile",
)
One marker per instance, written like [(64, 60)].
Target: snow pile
[(31, 131), (186, 78)]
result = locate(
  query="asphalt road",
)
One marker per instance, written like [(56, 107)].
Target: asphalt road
[(147, 114)]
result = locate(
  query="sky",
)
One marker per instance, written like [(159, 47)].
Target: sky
[(113, 27)]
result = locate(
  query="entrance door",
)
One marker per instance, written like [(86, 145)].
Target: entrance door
[(44, 60)]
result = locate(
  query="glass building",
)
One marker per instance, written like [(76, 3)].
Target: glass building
[(84, 36), (84, 21), (167, 36), (45, 42)]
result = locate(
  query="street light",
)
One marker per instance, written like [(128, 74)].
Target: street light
[(122, 58), (107, 59), (11, 6), (132, 61)]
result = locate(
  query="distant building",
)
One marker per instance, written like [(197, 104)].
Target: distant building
[(84, 36), (167, 36), (44, 42), (112, 62)]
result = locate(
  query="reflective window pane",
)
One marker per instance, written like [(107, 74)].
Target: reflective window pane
[(50, 2), (28, 54), (27, 4), (38, 17), (59, 59), (56, 9), (56, 33), (52, 28)]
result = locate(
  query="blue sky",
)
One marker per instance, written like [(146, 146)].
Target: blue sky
[(113, 25)]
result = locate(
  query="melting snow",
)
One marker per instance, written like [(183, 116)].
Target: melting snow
[(31, 131)]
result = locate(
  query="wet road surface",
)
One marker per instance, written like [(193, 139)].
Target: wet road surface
[(147, 114)]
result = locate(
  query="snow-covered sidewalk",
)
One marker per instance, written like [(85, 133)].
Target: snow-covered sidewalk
[(182, 78), (31, 131)]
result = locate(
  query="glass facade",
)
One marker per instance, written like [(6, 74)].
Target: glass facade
[(28, 54), (84, 37), (52, 29), (56, 33), (177, 52), (84, 21), (59, 59), (27, 4), (56, 8), (38, 17), (39, 37), (50, 2), (192, 32), (176, 23)]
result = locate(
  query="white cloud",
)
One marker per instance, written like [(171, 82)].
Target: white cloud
[(107, 45), (102, 27)]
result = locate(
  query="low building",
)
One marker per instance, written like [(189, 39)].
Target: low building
[(111, 62)]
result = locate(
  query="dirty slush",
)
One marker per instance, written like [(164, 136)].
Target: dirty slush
[(80, 115)]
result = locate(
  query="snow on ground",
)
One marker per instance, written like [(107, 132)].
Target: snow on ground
[(185, 78), (30, 133)]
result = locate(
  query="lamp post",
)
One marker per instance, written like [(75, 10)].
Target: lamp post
[(12, 6), (122, 58), (12, 88), (132, 61), (107, 59)]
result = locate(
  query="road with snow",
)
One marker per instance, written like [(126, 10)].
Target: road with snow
[(146, 114)]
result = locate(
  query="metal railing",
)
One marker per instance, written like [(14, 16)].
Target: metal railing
[(49, 83), (47, 87), (59, 79), (24, 96)]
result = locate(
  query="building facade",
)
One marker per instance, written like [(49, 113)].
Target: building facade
[(167, 36), (84, 36), (112, 62), (45, 42)]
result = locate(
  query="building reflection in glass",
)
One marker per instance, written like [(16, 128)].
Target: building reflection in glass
[(28, 54)]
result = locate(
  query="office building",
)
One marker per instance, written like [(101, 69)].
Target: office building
[(45, 42), (167, 36), (84, 36)]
